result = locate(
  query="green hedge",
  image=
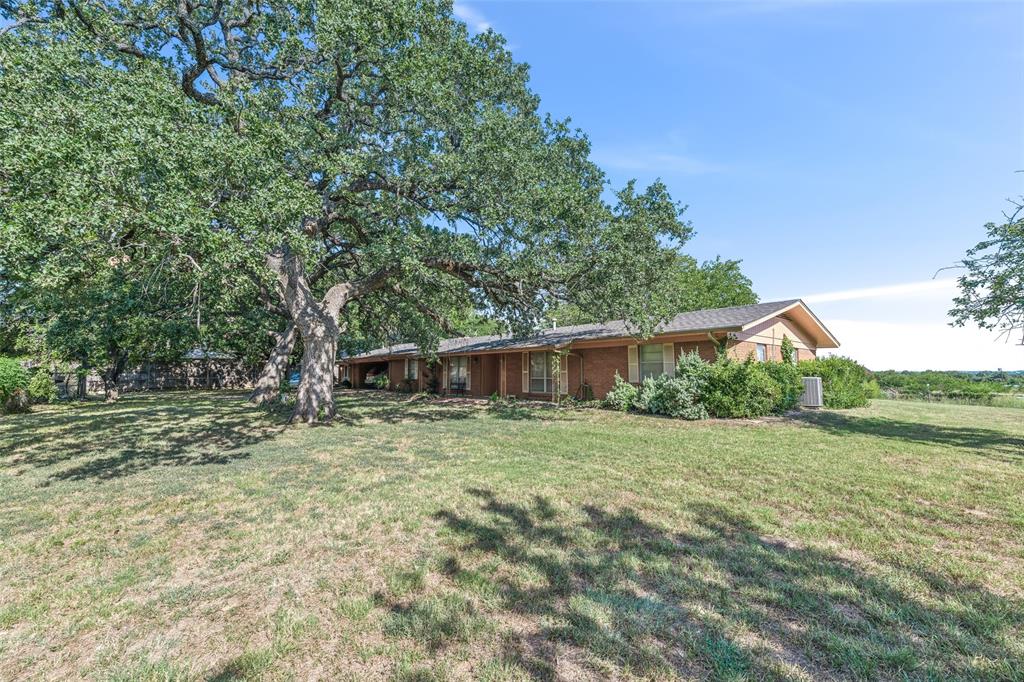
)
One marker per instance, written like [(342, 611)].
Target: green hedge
[(724, 388), (742, 389), (844, 382)]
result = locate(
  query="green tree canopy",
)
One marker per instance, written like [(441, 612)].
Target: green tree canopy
[(111, 185), (690, 286), (373, 151)]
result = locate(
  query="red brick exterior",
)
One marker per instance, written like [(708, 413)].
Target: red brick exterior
[(595, 366), (706, 349), (743, 349), (599, 368)]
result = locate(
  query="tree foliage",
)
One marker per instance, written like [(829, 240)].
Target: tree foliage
[(112, 187), (992, 288), (688, 285), (376, 155)]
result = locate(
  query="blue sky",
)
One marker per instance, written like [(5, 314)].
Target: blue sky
[(832, 146)]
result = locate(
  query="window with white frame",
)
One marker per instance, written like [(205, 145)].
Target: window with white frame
[(458, 368), (412, 369), (762, 352), (652, 363), (541, 380)]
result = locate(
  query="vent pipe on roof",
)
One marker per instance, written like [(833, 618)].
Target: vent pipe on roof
[(554, 323)]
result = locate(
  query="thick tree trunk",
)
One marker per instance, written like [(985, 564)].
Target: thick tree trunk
[(317, 322), (83, 383), (268, 385), (315, 399), (112, 374)]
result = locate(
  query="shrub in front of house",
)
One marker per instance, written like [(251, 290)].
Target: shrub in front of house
[(845, 383), (13, 386), (41, 387), (622, 396), (670, 396), (730, 389), (724, 388), (791, 387), (742, 389)]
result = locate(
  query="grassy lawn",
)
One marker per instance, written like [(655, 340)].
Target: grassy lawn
[(190, 536)]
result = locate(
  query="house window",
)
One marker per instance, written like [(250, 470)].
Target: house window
[(651, 361), (762, 352), (540, 373), (412, 369), (457, 371)]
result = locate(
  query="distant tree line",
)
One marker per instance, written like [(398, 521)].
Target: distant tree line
[(982, 386)]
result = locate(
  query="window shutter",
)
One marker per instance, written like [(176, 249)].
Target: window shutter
[(444, 375), (563, 375), (668, 360), (634, 365), (469, 365), (526, 372)]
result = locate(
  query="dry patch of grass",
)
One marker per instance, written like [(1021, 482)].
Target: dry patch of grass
[(189, 536)]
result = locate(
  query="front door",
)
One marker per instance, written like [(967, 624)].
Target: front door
[(458, 375)]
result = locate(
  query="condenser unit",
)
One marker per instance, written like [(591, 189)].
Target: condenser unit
[(812, 395)]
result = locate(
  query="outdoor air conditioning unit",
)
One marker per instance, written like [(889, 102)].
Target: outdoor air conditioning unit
[(812, 395)]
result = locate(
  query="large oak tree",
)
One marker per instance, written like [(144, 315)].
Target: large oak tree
[(401, 160)]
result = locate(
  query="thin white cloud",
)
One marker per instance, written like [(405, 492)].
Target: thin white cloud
[(925, 345), (476, 21), (654, 162), (889, 291)]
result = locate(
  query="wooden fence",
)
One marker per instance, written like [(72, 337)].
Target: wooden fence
[(191, 374)]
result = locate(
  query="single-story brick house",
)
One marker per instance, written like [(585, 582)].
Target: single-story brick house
[(570, 359)]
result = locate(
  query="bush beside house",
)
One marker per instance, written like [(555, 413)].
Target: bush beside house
[(845, 382), (728, 388)]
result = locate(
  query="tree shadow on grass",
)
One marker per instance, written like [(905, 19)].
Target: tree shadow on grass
[(101, 441), (359, 407), (720, 600), (998, 445), (104, 441)]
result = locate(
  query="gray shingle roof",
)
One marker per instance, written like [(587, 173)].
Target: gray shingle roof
[(717, 319)]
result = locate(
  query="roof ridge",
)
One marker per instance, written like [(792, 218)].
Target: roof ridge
[(703, 319)]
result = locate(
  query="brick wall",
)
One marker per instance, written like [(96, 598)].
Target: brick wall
[(706, 349), (598, 369), (600, 366)]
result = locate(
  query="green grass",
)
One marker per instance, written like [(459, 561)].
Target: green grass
[(190, 536)]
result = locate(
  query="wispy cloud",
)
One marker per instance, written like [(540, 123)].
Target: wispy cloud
[(917, 346), (654, 161), (889, 291), (476, 21)]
